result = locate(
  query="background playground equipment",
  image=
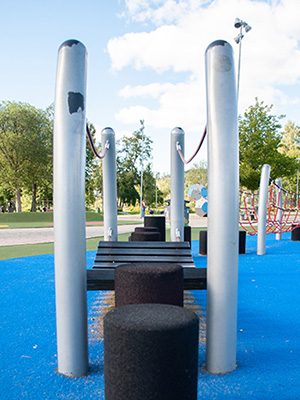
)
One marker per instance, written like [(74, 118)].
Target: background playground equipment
[(69, 162), (274, 215), (198, 193), (280, 218)]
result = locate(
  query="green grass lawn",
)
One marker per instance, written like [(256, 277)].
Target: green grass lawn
[(45, 220), (39, 219)]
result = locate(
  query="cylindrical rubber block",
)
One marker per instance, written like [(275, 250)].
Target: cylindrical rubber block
[(146, 237), (242, 242), (158, 221), (188, 234), (138, 283), (151, 353), (203, 243), (146, 229), (295, 237)]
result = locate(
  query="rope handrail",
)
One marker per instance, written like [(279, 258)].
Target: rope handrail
[(93, 146), (196, 152), (284, 190)]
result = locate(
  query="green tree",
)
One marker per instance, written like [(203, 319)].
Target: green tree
[(133, 151), (164, 184), (260, 139), (93, 170), (150, 191), (196, 174), (290, 146), (25, 147), (290, 141)]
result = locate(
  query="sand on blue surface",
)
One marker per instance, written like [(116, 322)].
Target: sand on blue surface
[(268, 339)]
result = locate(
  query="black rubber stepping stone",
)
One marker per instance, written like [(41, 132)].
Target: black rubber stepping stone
[(138, 283), (158, 221), (145, 237), (151, 353)]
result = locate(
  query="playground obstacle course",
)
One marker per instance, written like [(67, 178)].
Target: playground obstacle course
[(222, 229)]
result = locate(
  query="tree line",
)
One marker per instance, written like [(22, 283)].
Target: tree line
[(26, 158), (26, 161)]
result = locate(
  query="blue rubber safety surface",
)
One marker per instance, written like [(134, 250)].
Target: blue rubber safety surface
[(268, 337)]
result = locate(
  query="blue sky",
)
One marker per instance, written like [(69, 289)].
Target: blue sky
[(146, 59)]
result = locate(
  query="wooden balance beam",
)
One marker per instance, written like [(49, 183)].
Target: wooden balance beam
[(111, 254)]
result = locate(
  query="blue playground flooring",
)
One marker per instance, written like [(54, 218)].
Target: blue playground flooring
[(268, 347)]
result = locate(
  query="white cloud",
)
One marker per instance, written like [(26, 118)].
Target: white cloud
[(153, 90), (270, 57), (162, 11), (167, 47), (182, 105)]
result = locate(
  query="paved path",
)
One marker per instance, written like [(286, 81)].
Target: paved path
[(13, 237)]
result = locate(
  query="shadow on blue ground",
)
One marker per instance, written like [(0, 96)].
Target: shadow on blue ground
[(268, 348)]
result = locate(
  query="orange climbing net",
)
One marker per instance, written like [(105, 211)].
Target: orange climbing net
[(282, 210)]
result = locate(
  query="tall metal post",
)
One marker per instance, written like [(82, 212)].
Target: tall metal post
[(109, 185), (279, 204), (156, 193), (177, 187), (262, 209), (69, 209), (223, 209)]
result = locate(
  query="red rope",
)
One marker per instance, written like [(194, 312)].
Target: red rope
[(196, 152), (284, 224), (93, 146)]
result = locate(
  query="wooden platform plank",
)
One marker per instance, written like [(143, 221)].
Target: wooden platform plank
[(143, 251), (112, 254), (140, 257)]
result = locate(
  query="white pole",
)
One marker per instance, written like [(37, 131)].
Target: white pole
[(177, 186), (142, 212), (262, 209), (110, 210), (155, 193), (279, 204), (69, 209), (239, 65), (223, 210)]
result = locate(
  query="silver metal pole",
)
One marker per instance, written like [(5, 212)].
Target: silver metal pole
[(142, 212), (177, 187), (239, 65), (223, 210), (110, 210), (279, 204), (69, 209), (262, 209), (155, 193)]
